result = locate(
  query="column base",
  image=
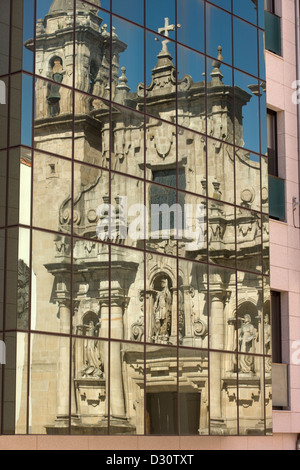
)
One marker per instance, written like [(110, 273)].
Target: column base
[(117, 426), (218, 427)]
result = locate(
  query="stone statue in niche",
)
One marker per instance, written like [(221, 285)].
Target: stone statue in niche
[(247, 337), (93, 362), (162, 313), (53, 97)]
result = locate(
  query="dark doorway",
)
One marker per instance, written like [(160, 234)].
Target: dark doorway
[(162, 413), (190, 413)]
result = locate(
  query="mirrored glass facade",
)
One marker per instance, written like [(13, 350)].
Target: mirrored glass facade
[(134, 222)]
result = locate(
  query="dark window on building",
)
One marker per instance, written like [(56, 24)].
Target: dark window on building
[(164, 194), (162, 413), (272, 28), (270, 6), (276, 327), (272, 142)]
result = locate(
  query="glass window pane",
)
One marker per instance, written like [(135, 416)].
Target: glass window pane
[(220, 163), (262, 55), (266, 245), (249, 242), (265, 184), (90, 314), (261, 13), (49, 385), (4, 94), (247, 133), (161, 152), (25, 186), (19, 186), (11, 276), (18, 279), (223, 394), (192, 304), (2, 275), (250, 319), (268, 297), (126, 294), (268, 397), (156, 11), (90, 384), (128, 149), (128, 215), (130, 76), (51, 189), (160, 86), (246, 9), (248, 192), (51, 289), (162, 300), (263, 119), (251, 398), (22, 46), (21, 380), (165, 216), (191, 162), (161, 399), (226, 4), (91, 196), (132, 10), (21, 110), (193, 393), (52, 101), (15, 384), (220, 112), (3, 177), (191, 90), (192, 242), (245, 39), (222, 294), (4, 36), (93, 52), (126, 373), (219, 33), (56, 64), (221, 237), (91, 130), (190, 16), (23, 282)]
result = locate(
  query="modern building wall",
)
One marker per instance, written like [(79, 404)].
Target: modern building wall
[(284, 235)]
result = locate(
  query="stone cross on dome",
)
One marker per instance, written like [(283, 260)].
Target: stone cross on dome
[(165, 31)]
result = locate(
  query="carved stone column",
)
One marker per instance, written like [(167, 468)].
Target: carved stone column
[(104, 333), (216, 326), (117, 399), (113, 303)]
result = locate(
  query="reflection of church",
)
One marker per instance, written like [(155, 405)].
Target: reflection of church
[(181, 303)]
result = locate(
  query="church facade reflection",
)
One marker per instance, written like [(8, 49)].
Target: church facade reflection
[(156, 328)]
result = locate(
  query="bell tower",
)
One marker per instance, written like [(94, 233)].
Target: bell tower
[(73, 50)]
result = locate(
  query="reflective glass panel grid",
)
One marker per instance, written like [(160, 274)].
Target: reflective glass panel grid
[(135, 219)]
